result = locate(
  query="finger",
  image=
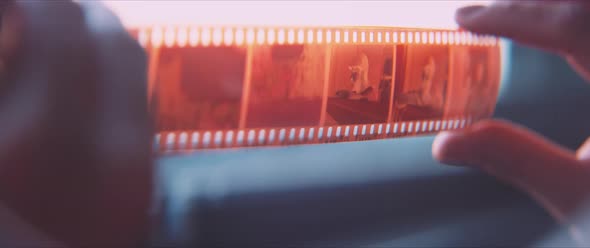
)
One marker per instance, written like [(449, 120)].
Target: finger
[(52, 56), (47, 111), (521, 158), (557, 26), (504, 150), (123, 132), (123, 113)]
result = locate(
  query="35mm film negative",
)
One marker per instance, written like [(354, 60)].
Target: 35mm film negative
[(225, 87)]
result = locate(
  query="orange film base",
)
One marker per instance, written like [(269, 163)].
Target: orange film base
[(225, 87)]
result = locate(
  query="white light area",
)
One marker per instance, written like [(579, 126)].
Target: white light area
[(417, 14)]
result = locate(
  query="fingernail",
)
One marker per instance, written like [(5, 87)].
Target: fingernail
[(468, 14)]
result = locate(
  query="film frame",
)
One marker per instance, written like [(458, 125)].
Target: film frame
[(317, 98)]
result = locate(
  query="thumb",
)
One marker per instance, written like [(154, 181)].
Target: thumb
[(548, 172)]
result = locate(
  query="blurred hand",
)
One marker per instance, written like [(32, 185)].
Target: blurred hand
[(558, 178), (75, 137)]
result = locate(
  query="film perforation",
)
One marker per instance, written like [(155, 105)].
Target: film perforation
[(191, 140), (310, 135), (182, 36), (239, 36), (169, 37), (182, 140), (217, 36), (422, 38), (410, 127), (205, 36)]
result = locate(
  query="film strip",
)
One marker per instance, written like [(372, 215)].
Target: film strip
[(228, 87)]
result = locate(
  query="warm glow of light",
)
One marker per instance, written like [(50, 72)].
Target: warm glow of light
[(194, 37), (291, 37), (182, 37), (300, 38), (438, 38), (143, 37), (270, 37), (205, 36), (157, 36), (228, 37), (250, 37), (402, 13), (240, 36), (310, 37), (217, 37), (319, 36), (169, 37), (328, 36), (462, 38), (281, 37), (260, 37), (431, 37)]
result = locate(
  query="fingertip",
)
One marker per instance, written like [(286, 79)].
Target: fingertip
[(445, 147), (464, 147), (466, 16)]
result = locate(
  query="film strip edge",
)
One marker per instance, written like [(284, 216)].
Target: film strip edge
[(214, 139), (237, 36)]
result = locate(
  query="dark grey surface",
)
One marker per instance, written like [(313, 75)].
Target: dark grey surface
[(387, 193)]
